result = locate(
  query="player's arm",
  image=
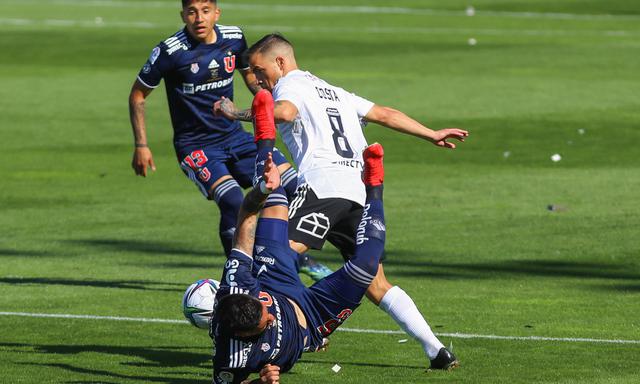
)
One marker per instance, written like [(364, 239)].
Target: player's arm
[(250, 80), (229, 376), (396, 120), (283, 111), (142, 156), (269, 374), (244, 237)]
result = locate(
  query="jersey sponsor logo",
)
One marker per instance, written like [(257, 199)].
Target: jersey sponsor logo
[(357, 164), (155, 53), (315, 224), (188, 88), (226, 377), (366, 218), (175, 43), (278, 323), (379, 225), (232, 35), (230, 63), (213, 68), (231, 267), (195, 68), (262, 269), (213, 85), (266, 260)]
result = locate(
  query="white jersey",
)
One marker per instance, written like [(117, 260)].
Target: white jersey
[(326, 139)]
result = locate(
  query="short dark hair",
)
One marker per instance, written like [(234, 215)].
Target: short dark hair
[(266, 43), (238, 313), (186, 3)]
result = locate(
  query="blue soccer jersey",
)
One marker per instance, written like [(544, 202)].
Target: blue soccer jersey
[(196, 75), (280, 344)]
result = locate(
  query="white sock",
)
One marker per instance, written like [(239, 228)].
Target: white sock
[(403, 310)]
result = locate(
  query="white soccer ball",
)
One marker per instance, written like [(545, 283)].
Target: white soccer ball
[(197, 302)]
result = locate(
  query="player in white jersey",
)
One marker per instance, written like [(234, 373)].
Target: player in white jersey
[(321, 126)]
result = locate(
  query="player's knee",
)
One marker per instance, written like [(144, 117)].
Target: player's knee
[(228, 195)]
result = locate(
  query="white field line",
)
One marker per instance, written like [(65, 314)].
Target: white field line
[(339, 9), (100, 23), (343, 329)]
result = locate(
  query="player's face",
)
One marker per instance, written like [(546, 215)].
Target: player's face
[(267, 70), (265, 319), (199, 18)]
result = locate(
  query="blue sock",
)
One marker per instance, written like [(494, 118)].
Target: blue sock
[(290, 182), (228, 196), (370, 239), (264, 147)]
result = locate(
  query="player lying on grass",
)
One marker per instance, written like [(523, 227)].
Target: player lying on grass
[(264, 316), (321, 127)]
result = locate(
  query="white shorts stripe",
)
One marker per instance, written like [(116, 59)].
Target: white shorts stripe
[(192, 175), (298, 200)]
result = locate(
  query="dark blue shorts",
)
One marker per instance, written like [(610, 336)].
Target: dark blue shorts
[(205, 164), (326, 304)]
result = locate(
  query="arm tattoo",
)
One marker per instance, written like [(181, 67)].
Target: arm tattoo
[(244, 237), (227, 107), (136, 115)]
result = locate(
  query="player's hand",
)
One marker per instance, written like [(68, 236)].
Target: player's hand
[(142, 161), (225, 107), (440, 137), (270, 374), (271, 175)]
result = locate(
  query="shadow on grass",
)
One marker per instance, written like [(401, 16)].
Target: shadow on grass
[(159, 357), (16, 252), (408, 263), (145, 246), (121, 377), (118, 284)]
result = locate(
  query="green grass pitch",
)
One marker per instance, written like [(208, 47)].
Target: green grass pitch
[(470, 236)]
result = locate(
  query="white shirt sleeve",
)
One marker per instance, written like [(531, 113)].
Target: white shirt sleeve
[(363, 106), (288, 93)]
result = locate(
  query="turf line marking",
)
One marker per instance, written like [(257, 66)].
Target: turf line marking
[(100, 23), (338, 9), (342, 329)]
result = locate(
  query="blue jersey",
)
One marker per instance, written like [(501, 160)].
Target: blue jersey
[(197, 75), (282, 343)]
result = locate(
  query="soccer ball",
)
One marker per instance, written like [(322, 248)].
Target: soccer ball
[(197, 302)]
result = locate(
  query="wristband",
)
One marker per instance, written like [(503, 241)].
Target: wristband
[(264, 189), (142, 145)]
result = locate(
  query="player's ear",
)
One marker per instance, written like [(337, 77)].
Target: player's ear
[(280, 62), (182, 17), (216, 14), (270, 319)]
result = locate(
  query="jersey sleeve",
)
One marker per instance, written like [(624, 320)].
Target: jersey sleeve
[(222, 375), (362, 105), (288, 93), (243, 58), (237, 276), (155, 68)]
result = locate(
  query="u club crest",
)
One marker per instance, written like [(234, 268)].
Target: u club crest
[(195, 68), (230, 63)]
